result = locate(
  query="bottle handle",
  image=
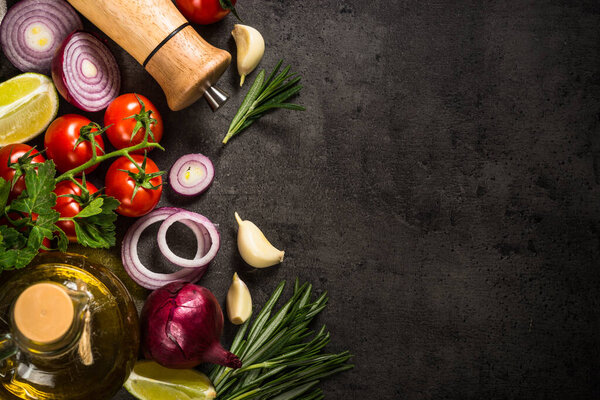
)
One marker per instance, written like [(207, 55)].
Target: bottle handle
[(8, 347)]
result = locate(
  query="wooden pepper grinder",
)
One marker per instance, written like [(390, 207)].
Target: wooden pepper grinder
[(156, 34)]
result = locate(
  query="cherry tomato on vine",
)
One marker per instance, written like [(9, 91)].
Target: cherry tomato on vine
[(138, 189), (68, 144), (205, 12), (70, 206), (128, 115), (10, 155)]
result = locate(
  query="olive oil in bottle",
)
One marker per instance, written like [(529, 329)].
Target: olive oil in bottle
[(68, 330)]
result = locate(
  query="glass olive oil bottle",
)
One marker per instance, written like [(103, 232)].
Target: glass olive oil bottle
[(68, 330)]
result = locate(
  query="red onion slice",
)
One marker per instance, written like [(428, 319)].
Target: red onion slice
[(192, 174), (142, 275), (85, 72), (199, 219), (206, 236), (32, 30)]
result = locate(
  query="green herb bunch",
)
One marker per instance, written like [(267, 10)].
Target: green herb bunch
[(282, 357), (265, 96)]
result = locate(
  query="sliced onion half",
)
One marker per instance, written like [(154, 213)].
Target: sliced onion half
[(85, 72), (192, 174), (201, 220), (32, 30), (154, 280)]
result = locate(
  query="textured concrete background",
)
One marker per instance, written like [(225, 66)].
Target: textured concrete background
[(443, 187)]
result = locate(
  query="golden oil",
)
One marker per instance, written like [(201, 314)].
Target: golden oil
[(94, 359)]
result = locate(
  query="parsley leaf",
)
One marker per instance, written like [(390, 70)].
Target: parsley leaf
[(14, 250), (38, 219), (38, 197), (10, 238), (93, 208), (95, 224)]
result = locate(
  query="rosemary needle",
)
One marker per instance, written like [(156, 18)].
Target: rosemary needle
[(265, 95)]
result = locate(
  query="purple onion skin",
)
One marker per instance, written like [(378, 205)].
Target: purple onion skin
[(181, 327), (57, 72)]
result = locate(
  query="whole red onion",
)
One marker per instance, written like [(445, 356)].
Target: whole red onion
[(181, 327)]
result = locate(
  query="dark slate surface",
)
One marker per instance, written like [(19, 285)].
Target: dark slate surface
[(443, 187)]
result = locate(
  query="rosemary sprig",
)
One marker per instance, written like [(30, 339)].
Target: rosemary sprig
[(282, 358), (265, 95)]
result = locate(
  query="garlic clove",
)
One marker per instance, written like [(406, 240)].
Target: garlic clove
[(254, 247), (250, 49), (239, 301)]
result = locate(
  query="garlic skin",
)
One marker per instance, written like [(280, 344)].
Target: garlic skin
[(239, 301), (250, 49), (254, 247), (2, 9)]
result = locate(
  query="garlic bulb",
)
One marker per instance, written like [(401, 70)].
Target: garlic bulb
[(254, 247), (239, 301), (250, 49)]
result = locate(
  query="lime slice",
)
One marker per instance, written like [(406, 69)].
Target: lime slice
[(151, 381), (28, 103)]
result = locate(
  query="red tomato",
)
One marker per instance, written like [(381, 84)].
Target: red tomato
[(203, 12), (68, 206), (121, 185), (46, 243), (60, 139), (9, 155), (120, 127)]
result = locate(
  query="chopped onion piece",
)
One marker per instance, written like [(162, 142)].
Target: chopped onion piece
[(142, 275), (200, 220), (32, 30), (85, 72), (191, 174)]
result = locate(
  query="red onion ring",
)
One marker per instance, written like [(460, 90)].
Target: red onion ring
[(199, 219), (53, 20), (137, 270), (184, 178), (206, 236), (85, 72), (142, 275)]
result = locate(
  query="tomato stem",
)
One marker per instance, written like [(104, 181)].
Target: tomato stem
[(142, 178), (145, 144), (86, 135), (143, 120), (133, 161), (98, 159), (228, 5)]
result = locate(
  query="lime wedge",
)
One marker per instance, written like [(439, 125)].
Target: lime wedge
[(151, 381), (28, 103)]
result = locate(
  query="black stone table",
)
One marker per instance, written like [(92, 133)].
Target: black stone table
[(443, 186)]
